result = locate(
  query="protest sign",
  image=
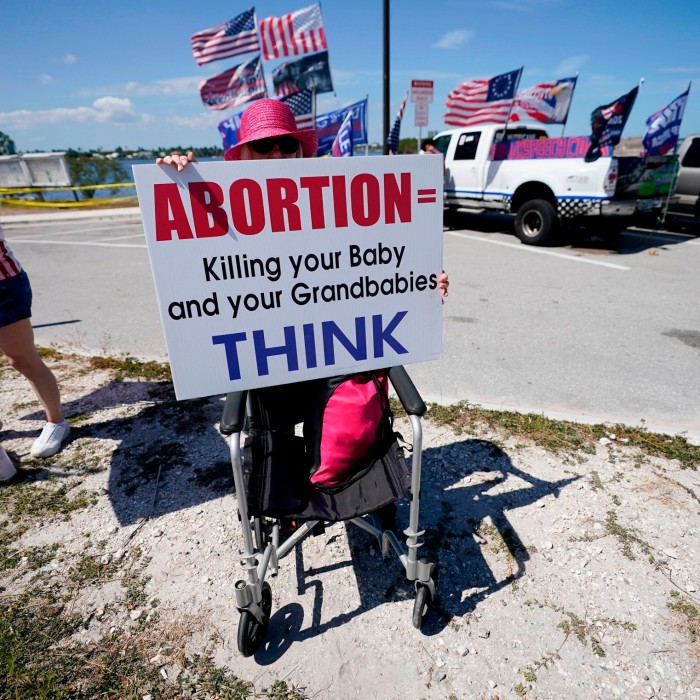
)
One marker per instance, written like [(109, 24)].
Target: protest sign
[(272, 272)]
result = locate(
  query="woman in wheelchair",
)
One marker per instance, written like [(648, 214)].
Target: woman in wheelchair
[(268, 131)]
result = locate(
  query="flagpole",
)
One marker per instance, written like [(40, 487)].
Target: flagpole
[(674, 179), (386, 78), (566, 119), (313, 106), (367, 141), (512, 102)]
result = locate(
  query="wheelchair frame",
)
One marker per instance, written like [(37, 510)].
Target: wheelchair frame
[(262, 549)]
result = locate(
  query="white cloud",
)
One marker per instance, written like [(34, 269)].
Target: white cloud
[(199, 121), (454, 39), (105, 110), (571, 65), (169, 86), (68, 58), (45, 79)]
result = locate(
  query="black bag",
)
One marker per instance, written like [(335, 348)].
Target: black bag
[(277, 467)]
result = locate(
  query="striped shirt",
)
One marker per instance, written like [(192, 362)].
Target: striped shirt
[(9, 266)]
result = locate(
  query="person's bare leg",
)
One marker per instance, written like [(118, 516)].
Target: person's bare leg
[(17, 342)]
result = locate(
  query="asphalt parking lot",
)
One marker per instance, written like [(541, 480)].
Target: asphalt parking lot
[(592, 330)]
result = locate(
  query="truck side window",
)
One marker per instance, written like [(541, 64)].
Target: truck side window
[(466, 146), (691, 159), (442, 143)]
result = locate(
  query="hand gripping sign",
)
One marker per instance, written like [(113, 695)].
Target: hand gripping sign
[(272, 272)]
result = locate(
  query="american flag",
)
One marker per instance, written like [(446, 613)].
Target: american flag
[(294, 34), (482, 101), (393, 138), (233, 38), (301, 104), (234, 86)]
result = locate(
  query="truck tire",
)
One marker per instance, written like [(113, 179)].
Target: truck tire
[(536, 222)]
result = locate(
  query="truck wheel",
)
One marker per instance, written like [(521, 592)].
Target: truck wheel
[(537, 222)]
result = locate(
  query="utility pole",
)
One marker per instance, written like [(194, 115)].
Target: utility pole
[(386, 79)]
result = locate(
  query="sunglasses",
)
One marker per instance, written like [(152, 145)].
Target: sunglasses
[(286, 144)]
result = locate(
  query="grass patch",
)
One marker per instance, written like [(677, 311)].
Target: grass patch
[(19, 502), (128, 367), (561, 437)]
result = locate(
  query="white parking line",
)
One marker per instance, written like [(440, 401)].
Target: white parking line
[(541, 251), (16, 235), (17, 242), (650, 233), (122, 238)]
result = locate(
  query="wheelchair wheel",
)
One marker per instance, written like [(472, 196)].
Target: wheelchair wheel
[(421, 606), (251, 632)]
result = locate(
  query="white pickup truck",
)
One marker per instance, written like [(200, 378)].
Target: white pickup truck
[(544, 181)]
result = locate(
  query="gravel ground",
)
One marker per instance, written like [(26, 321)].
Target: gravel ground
[(561, 575)]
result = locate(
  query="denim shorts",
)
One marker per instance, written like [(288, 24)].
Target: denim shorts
[(15, 299)]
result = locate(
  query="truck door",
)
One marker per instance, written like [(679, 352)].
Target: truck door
[(463, 174)]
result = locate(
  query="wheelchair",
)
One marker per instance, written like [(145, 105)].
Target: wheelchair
[(272, 488)]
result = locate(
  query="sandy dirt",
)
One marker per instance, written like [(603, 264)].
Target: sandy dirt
[(558, 573)]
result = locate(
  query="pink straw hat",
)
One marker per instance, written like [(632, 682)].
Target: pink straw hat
[(270, 118)]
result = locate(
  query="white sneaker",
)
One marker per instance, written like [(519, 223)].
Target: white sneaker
[(7, 469), (50, 440)]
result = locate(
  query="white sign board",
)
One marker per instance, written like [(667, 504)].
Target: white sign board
[(421, 118), (277, 271), (422, 91), (34, 170)]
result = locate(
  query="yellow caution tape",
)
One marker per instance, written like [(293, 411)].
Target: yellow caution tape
[(27, 190), (63, 203)]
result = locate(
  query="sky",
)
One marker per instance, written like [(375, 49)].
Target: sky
[(95, 74)]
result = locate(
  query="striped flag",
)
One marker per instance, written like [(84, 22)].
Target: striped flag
[(233, 38), (234, 86), (482, 101), (393, 138), (294, 34), (301, 104)]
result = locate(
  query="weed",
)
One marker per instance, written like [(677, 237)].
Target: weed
[(520, 690), (626, 536), (596, 483), (582, 630), (688, 615), (128, 367), (40, 502)]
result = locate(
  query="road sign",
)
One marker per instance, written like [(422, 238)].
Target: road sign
[(421, 114), (422, 91)]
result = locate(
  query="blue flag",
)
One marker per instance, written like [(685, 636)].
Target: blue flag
[(229, 130), (503, 87), (342, 146), (328, 125), (664, 126)]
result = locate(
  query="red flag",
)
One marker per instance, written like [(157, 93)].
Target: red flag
[(294, 34)]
